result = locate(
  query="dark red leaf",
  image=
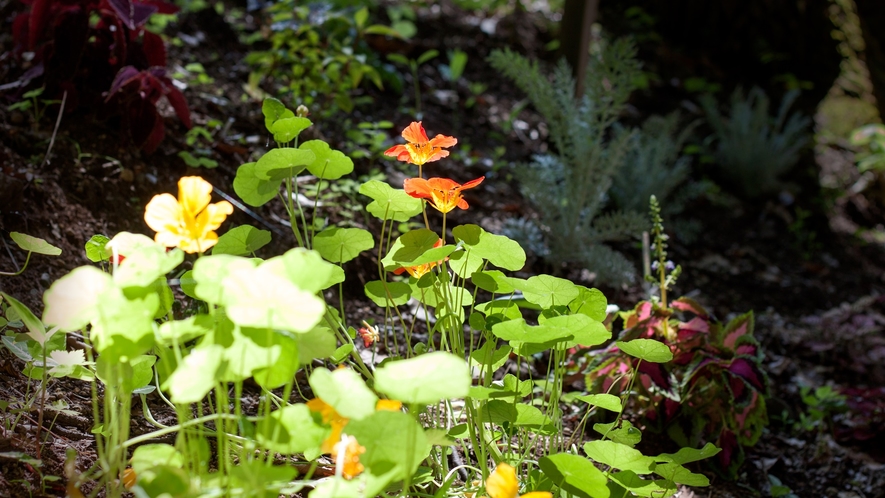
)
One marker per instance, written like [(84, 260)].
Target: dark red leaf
[(176, 99), (133, 14), (154, 49), (37, 22), (748, 371)]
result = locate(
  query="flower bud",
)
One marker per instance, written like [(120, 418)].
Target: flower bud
[(302, 111)]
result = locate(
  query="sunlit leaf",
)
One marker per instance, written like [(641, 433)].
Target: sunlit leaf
[(95, 248), (241, 241), (72, 301), (34, 244), (389, 203), (340, 245), (388, 294), (619, 456), (496, 249), (345, 391), (576, 475), (289, 430), (287, 129), (418, 380), (278, 164), (647, 350), (254, 191), (329, 164), (195, 375)]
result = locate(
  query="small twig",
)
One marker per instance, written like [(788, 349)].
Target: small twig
[(61, 111)]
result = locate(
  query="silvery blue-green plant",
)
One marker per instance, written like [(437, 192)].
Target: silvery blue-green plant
[(752, 147)]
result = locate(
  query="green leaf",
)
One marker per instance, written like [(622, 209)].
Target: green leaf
[(590, 302), (181, 331), (288, 128), (492, 281), (145, 264), (389, 203), (306, 269), (279, 164), (124, 328), (95, 248), (644, 487), (289, 430), (360, 17), (619, 456), (72, 301), (608, 401), (409, 247), (253, 190), (388, 294), (586, 331), (262, 298), (394, 443), (19, 349), (340, 245), (241, 240), (419, 380), (148, 456), (487, 355), (465, 263), (680, 475), (426, 56), (532, 418), (36, 329), (34, 244), (498, 412), (195, 375), (647, 350), (344, 390), (546, 291), (273, 111), (319, 342), (688, 455), (496, 249), (576, 475), (329, 164), (210, 271), (625, 434)]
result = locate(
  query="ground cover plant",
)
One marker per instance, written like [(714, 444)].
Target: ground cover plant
[(293, 299)]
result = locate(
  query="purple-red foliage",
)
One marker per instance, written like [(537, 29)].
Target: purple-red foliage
[(714, 388), (112, 61)]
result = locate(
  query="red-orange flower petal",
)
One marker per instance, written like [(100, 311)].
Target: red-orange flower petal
[(420, 149), (442, 193)]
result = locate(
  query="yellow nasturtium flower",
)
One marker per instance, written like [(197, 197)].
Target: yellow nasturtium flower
[(190, 221), (502, 483)]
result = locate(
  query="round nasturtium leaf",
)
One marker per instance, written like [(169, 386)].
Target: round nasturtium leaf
[(241, 241), (96, 250), (388, 294), (289, 430), (340, 245), (497, 249), (253, 190), (393, 441), (419, 380), (345, 391), (408, 247), (278, 164), (288, 128), (273, 111), (389, 203), (608, 401), (619, 456), (306, 269), (72, 301), (576, 475), (261, 298), (546, 291), (647, 350), (330, 164), (34, 244), (195, 376)]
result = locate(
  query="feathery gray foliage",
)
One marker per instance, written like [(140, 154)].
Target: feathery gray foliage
[(569, 186), (753, 147)]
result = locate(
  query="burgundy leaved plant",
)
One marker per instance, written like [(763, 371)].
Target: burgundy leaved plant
[(99, 52), (713, 390)]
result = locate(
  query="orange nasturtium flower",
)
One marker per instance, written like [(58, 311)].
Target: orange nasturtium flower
[(346, 455), (502, 483), (190, 221), (419, 271), (332, 418), (420, 149), (444, 194)]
